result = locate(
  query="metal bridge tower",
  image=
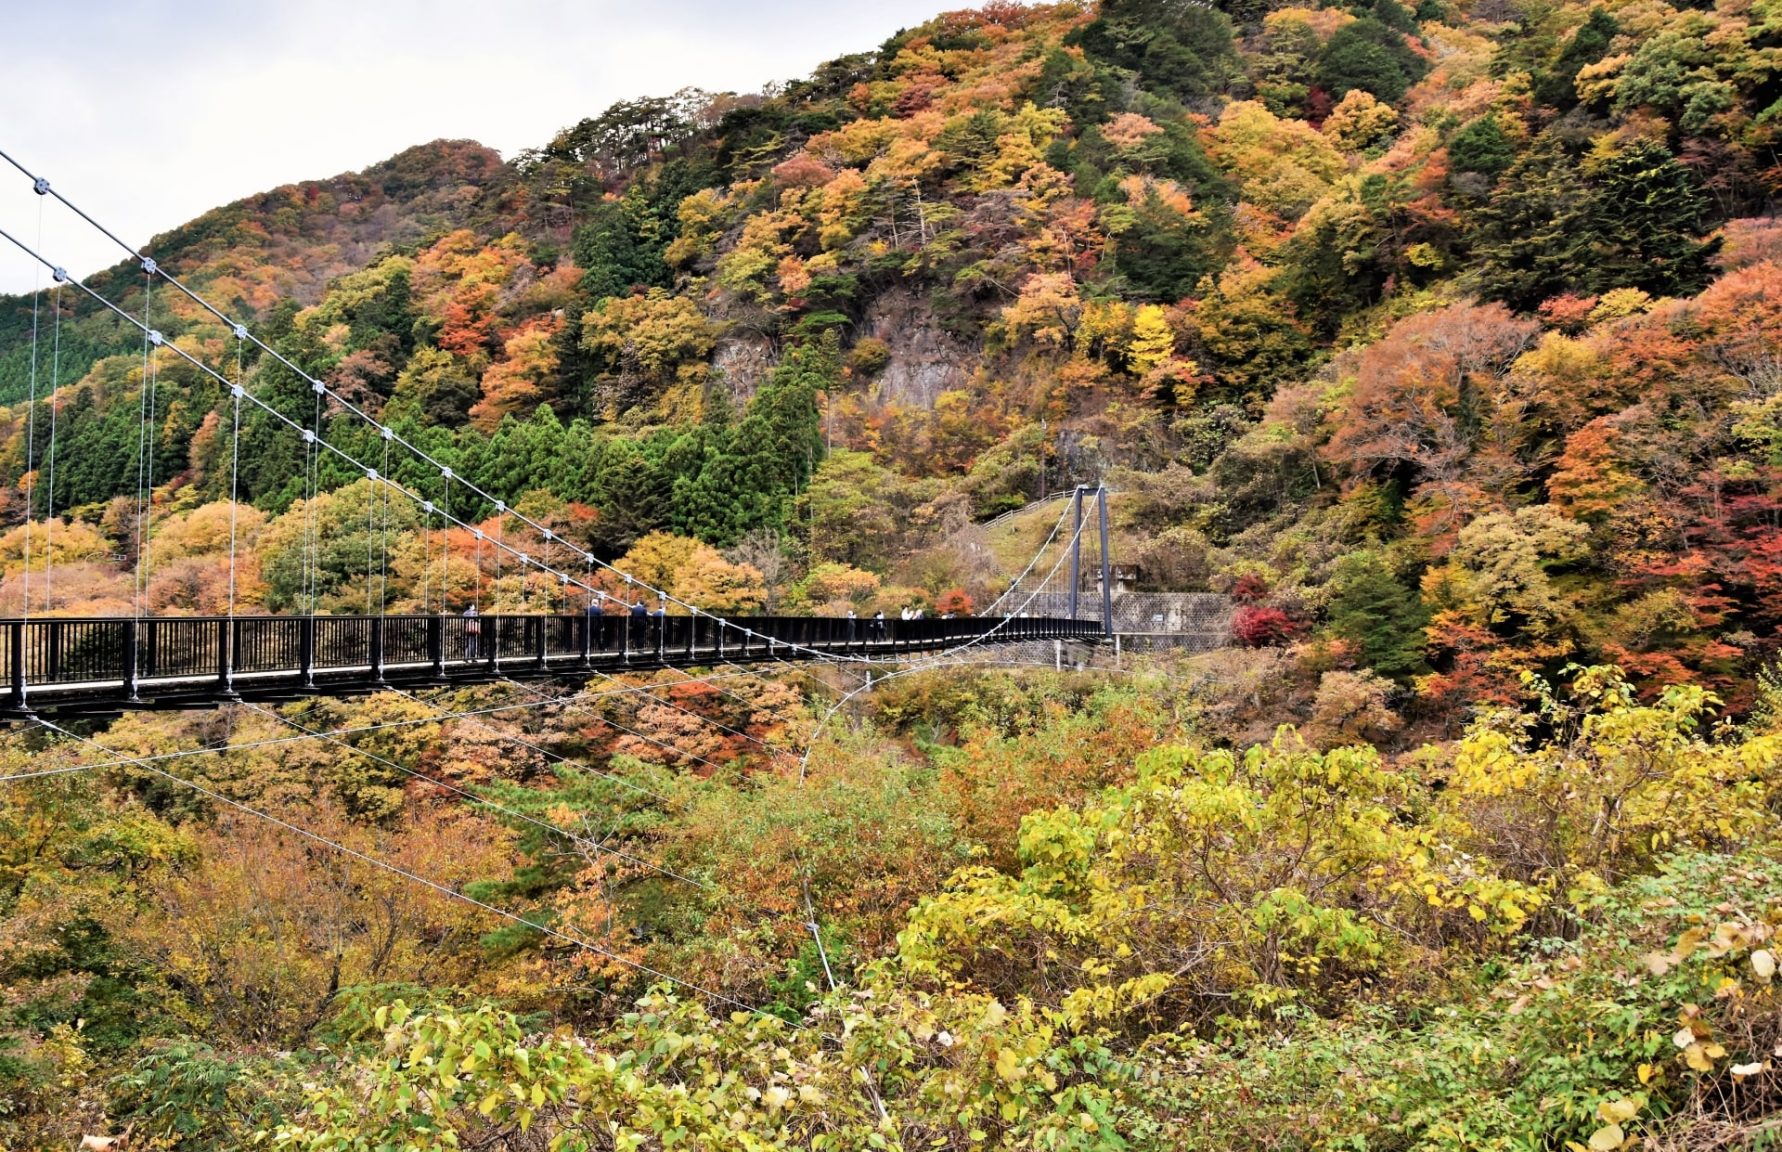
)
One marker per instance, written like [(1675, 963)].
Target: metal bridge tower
[(1107, 568), (1076, 554)]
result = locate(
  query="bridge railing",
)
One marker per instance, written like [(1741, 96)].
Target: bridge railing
[(125, 653)]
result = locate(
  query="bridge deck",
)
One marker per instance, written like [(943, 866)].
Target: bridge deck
[(108, 664)]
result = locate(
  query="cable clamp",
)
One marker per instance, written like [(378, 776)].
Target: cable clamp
[(241, 332), (549, 535), (427, 507), (446, 472), (371, 473), (500, 507), (40, 186), (149, 266), (308, 436), (477, 532), (60, 275), (524, 559), (235, 390), (317, 387), (155, 337), (389, 433)]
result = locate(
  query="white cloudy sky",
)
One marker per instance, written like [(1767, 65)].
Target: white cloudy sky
[(148, 112)]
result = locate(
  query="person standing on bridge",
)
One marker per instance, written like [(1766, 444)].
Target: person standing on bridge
[(878, 625), (591, 619), (851, 625), (634, 630), (473, 628)]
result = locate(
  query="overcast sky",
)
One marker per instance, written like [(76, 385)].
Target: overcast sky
[(148, 112)]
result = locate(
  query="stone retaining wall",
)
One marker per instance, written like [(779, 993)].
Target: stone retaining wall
[(1198, 620)]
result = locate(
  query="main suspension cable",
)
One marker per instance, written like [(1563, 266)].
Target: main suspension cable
[(152, 337)]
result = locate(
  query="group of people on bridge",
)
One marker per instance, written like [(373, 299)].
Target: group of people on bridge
[(875, 626), (473, 625)]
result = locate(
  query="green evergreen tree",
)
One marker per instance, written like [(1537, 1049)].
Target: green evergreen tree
[(384, 319), (1647, 219), (1558, 86), (632, 493), (1482, 147), (1631, 219), (95, 446), (1345, 262), (616, 255), (1161, 256), (1184, 51), (272, 453), (1371, 56), (1378, 615), (750, 474), (1530, 233), (1388, 12), (523, 454)]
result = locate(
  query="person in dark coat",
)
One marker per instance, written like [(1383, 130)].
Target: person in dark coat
[(473, 629), (659, 617), (634, 627), (593, 616)]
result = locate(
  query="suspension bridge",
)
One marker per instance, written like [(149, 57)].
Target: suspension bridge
[(109, 664)]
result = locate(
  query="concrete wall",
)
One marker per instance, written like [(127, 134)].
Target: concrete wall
[(1200, 620)]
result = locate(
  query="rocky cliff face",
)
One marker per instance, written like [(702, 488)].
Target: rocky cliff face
[(740, 362), (924, 360)]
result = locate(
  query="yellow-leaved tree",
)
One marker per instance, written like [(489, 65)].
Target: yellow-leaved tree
[(1593, 784), (1216, 882)]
